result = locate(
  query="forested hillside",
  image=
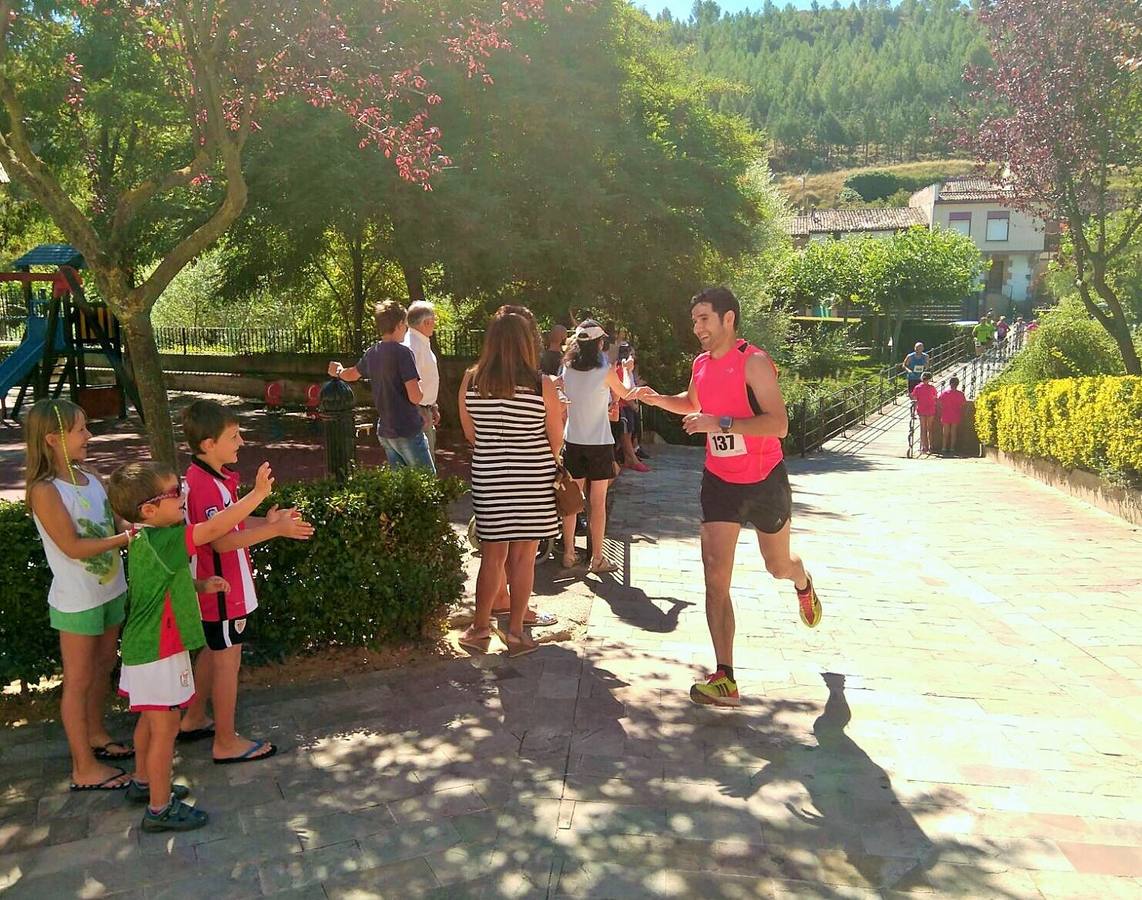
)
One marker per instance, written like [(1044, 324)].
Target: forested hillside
[(839, 86)]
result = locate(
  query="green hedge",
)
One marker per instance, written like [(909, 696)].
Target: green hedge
[(383, 567), (29, 649), (1088, 423)]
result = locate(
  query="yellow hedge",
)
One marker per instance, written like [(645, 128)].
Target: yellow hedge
[(1085, 423)]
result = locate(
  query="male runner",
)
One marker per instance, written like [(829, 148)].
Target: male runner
[(735, 400)]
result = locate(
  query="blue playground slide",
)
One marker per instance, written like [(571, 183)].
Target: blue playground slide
[(16, 367)]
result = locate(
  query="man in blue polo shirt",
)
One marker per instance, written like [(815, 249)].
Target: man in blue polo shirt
[(390, 368)]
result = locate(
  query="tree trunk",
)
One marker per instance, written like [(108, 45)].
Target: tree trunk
[(1121, 335), (414, 278), (1114, 321), (150, 383), (897, 327)]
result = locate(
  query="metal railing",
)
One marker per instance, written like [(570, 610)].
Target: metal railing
[(245, 340), (190, 340), (973, 373), (814, 421)]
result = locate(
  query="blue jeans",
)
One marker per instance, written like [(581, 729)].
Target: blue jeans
[(409, 451)]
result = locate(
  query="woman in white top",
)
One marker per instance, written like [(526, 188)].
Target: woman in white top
[(589, 448), (88, 593)]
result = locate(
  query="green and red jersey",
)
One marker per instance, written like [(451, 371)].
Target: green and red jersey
[(163, 617)]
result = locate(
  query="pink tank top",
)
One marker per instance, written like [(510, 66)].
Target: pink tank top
[(722, 391)]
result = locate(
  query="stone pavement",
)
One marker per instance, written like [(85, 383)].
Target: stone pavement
[(964, 722)]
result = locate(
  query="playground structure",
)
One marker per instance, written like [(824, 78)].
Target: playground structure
[(60, 331)]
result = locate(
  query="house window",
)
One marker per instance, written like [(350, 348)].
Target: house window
[(997, 225), (960, 221)]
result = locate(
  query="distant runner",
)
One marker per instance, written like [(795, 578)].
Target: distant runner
[(735, 400)]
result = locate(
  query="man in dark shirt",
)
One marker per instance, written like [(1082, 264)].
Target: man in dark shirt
[(551, 360), (390, 368)]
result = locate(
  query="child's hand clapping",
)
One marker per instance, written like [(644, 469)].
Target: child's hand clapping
[(265, 481), (289, 523), (215, 584)]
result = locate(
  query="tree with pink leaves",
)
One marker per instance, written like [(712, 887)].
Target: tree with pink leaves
[(126, 120), (1059, 117)]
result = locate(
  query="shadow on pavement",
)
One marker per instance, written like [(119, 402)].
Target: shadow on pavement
[(548, 775)]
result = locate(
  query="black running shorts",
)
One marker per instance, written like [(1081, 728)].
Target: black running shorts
[(766, 505), (227, 633), (595, 462)]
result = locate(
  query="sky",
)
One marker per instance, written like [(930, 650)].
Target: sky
[(680, 9)]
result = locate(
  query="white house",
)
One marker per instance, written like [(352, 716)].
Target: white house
[(1017, 244)]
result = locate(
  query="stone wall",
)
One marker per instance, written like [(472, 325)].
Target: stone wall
[(1126, 503), (247, 376)]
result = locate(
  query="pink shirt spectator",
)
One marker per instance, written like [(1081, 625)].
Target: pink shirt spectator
[(925, 396), (952, 406)]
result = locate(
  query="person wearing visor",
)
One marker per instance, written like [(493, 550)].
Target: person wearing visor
[(588, 452)]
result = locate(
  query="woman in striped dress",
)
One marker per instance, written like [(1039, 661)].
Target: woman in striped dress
[(512, 416)]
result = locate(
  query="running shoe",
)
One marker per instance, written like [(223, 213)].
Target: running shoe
[(141, 793), (717, 690), (175, 816), (809, 604)]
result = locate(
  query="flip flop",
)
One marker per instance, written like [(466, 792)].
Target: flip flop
[(249, 755), (105, 784), (195, 734), (104, 755)]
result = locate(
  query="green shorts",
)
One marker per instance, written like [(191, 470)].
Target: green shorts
[(92, 621)]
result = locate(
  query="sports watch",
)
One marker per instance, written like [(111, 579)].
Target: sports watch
[(726, 423)]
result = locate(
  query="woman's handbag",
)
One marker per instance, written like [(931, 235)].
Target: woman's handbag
[(568, 494)]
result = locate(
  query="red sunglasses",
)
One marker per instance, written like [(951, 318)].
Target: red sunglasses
[(173, 494)]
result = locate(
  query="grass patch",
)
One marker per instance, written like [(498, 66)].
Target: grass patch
[(821, 189)]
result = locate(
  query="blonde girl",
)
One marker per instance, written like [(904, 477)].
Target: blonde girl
[(88, 592)]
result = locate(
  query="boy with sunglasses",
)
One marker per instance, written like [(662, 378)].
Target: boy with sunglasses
[(163, 623)]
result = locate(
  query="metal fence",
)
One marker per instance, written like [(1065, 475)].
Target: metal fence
[(814, 421), (244, 340), (462, 343)]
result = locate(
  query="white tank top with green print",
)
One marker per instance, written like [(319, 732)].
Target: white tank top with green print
[(82, 584)]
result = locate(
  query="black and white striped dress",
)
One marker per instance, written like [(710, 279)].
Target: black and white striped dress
[(513, 469)]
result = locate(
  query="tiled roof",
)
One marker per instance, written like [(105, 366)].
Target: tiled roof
[(829, 220), (968, 188)]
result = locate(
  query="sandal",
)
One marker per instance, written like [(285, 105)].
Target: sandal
[(105, 784), (602, 567), (471, 641), (517, 646), (106, 754), (520, 646)]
